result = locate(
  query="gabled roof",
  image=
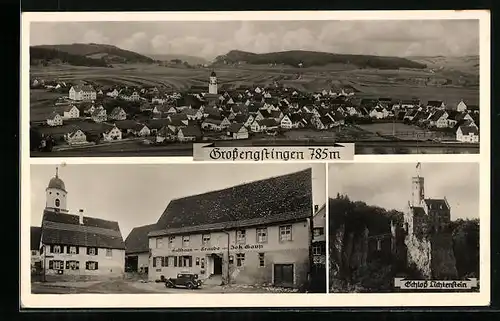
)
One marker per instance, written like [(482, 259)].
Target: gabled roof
[(61, 228), (191, 131), (268, 122), (137, 241), (434, 103), (438, 114), (467, 130), (35, 235), (79, 88), (235, 127), (274, 199), (434, 204)]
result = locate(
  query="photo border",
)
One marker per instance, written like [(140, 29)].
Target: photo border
[(415, 299)]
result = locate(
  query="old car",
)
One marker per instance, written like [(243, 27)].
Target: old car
[(187, 280)]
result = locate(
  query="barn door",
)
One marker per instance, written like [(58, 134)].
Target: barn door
[(283, 275)]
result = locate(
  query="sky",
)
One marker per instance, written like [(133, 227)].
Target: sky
[(208, 39), (388, 185), (135, 195)]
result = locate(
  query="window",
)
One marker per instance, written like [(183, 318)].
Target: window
[(159, 243), (202, 263), (231, 259), (91, 251), (92, 265), (197, 261), (262, 235), (318, 231), (285, 233), (379, 245), (170, 260), (73, 250), (56, 249), (159, 261), (241, 236), (206, 239), (185, 241), (318, 249), (261, 259), (240, 259), (185, 261), (109, 252), (72, 265), (33, 252), (171, 240), (58, 202), (56, 265)]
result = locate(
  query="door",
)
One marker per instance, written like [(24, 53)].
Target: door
[(217, 265), (283, 275)]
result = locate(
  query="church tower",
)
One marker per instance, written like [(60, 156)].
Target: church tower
[(56, 195), (417, 189), (212, 85)]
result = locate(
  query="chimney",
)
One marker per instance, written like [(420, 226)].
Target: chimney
[(80, 212)]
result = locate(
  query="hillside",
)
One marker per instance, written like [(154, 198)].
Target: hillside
[(313, 58), (192, 60), (108, 53), (464, 64), (44, 56)]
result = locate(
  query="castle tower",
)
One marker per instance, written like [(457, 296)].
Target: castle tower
[(56, 195), (429, 249), (212, 85), (417, 189)]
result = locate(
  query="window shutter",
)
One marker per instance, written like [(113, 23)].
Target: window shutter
[(77, 265), (162, 261), (88, 250), (67, 265), (175, 261), (86, 265), (154, 261), (96, 265), (77, 250), (51, 264), (51, 249), (166, 261)]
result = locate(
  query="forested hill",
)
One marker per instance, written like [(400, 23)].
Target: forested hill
[(305, 59), (101, 52)]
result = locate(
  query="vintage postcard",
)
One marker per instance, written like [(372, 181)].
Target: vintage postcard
[(135, 87), (255, 159)]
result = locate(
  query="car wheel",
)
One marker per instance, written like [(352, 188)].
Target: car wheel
[(190, 286)]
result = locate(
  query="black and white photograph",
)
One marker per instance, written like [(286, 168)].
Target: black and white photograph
[(400, 227), (152, 88), (178, 228)]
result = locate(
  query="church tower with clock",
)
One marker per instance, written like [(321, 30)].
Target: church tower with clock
[(56, 195)]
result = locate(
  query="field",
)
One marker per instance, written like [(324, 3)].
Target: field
[(398, 84)]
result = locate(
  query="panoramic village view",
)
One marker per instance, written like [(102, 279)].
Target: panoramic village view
[(98, 95), (245, 232)]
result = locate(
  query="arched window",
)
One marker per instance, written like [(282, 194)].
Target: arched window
[(58, 203)]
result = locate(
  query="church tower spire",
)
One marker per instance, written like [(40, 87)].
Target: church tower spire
[(56, 195), (212, 85)]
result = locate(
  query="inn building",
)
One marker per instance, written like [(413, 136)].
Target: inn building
[(257, 233), (74, 246)]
